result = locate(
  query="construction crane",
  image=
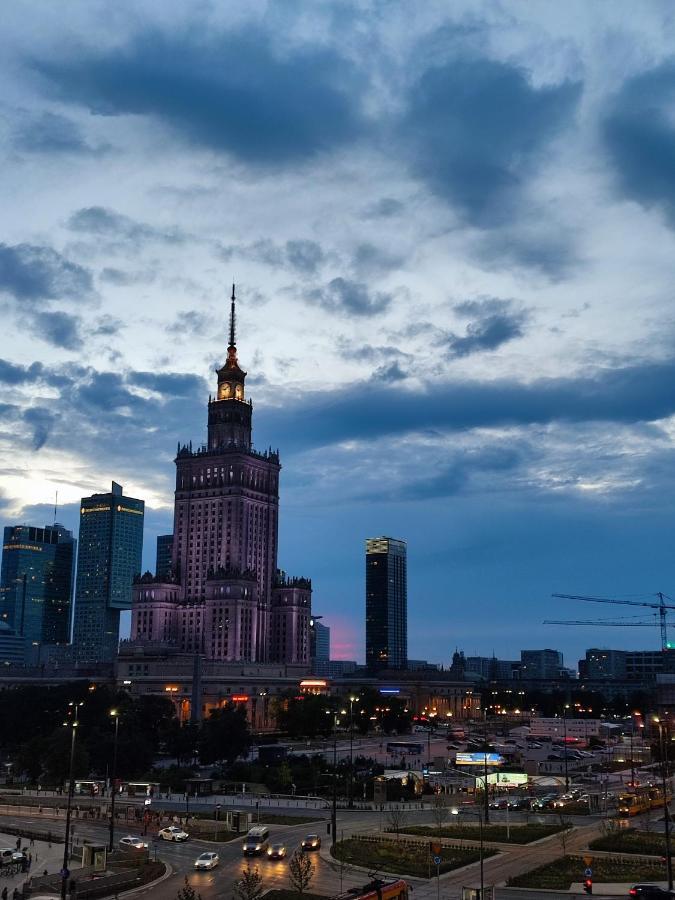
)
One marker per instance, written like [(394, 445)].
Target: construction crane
[(661, 608)]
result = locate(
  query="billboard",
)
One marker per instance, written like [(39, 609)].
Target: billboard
[(479, 759), (507, 779)]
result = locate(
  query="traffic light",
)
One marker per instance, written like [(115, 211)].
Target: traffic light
[(588, 886)]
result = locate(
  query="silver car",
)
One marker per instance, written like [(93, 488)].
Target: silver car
[(208, 860)]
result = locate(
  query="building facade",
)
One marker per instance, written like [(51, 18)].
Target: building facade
[(541, 665), (36, 582), (319, 640), (164, 565), (386, 604), (109, 558), (224, 597)]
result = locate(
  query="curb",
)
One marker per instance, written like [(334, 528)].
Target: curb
[(151, 884)]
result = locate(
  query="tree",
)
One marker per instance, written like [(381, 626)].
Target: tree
[(249, 887), (284, 775), (440, 811), (396, 817), (187, 892), (300, 871), (224, 735)]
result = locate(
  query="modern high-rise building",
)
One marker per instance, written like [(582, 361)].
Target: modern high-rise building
[(319, 640), (541, 664), (36, 582), (386, 604), (164, 551), (225, 597), (109, 558)]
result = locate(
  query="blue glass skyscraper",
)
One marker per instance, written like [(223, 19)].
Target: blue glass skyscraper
[(36, 582), (111, 545)]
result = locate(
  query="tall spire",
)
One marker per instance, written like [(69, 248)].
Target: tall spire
[(233, 342)]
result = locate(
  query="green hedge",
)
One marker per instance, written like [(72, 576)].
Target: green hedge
[(561, 873), (403, 858)]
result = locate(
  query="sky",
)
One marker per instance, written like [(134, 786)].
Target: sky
[(452, 229)]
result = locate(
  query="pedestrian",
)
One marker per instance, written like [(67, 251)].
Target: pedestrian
[(15, 894), (32, 842), (4, 893), (18, 843)]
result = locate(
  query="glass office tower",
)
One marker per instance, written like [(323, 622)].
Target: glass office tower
[(386, 604), (36, 582), (111, 545)]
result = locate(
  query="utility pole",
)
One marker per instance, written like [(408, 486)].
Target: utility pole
[(74, 710), (666, 807), (486, 802), (567, 777), (111, 844)]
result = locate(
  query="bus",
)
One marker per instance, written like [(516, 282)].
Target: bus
[(89, 788), (401, 747), (641, 799), (378, 890), (140, 788)]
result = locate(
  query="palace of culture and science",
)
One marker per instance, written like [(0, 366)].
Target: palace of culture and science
[(224, 597)]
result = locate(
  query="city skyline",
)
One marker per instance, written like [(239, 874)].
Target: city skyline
[(456, 303)]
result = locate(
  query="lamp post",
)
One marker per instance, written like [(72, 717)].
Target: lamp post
[(455, 812), (352, 701), (486, 802), (663, 747), (73, 710), (567, 776), (333, 815), (114, 713)]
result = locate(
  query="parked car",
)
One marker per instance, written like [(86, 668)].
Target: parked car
[(208, 860), (649, 892), (130, 842), (276, 851), (173, 833), (6, 855), (311, 842)]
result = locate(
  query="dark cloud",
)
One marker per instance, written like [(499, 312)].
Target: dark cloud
[(103, 222), (495, 322), (228, 92), (389, 373), (305, 256), (383, 353), (41, 421), (630, 394), (448, 480), (189, 322), (107, 326), (384, 209), (371, 260), (120, 278), (30, 272), (476, 130), (60, 329), (351, 298), (10, 373), (169, 383), (543, 246), (639, 134), (52, 134)]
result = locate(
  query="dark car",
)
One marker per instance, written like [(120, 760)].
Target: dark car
[(649, 891), (311, 842)]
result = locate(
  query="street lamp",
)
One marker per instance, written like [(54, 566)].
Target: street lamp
[(663, 747), (486, 802), (333, 816), (567, 777), (73, 711), (455, 812), (114, 714), (352, 701)]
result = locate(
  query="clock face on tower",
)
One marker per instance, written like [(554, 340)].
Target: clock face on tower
[(239, 392), (225, 392)]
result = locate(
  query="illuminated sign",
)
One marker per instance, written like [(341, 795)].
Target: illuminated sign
[(390, 690), (313, 683), (507, 779), (479, 759), (240, 698), (90, 509), (136, 512)]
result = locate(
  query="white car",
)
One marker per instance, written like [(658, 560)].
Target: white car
[(173, 833), (132, 843), (207, 860), (6, 855)]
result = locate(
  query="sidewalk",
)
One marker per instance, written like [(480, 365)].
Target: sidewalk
[(44, 857)]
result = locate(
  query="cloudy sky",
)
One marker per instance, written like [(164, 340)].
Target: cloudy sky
[(452, 230)]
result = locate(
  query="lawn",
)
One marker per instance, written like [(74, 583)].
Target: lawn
[(403, 858), (560, 874), (519, 834), (629, 840)]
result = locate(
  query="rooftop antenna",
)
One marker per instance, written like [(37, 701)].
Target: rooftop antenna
[(56, 504)]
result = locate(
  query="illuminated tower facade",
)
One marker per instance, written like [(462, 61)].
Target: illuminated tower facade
[(224, 582), (386, 604)]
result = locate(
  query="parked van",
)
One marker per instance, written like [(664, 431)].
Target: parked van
[(256, 841)]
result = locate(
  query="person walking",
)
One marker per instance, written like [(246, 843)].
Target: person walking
[(4, 893)]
